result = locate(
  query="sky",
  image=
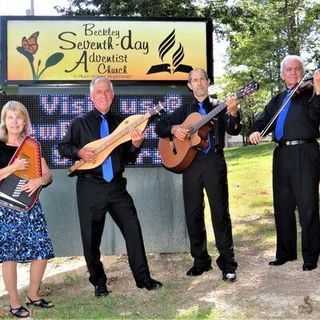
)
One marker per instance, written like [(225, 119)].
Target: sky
[(19, 7), (46, 7)]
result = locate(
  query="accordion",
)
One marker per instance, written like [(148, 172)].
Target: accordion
[(11, 195)]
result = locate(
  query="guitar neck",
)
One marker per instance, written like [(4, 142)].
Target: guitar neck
[(243, 92), (206, 118)]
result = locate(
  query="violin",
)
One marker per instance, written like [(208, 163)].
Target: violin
[(305, 86)]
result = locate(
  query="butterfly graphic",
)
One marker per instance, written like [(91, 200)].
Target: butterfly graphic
[(31, 44), (29, 47)]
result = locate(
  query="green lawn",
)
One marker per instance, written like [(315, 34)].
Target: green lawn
[(250, 194), (250, 180)]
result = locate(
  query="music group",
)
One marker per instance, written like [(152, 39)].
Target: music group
[(101, 189)]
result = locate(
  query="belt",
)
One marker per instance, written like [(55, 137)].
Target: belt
[(99, 178), (91, 176), (286, 143)]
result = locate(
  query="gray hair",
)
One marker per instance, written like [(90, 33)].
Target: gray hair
[(98, 79), (204, 72), (289, 57), (16, 107)]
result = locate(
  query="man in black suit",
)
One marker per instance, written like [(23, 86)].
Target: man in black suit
[(207, 171), (103, 188), (296, 164)]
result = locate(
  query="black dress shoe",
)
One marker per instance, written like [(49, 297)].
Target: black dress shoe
[(229, 276), (149, 284), (279, 262), (309, 266), (101, 291), (197, 271)]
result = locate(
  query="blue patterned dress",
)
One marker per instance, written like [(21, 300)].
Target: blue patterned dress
[(23, 235)]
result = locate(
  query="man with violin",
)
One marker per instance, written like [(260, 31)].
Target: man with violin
[(103, 188), (207, 171), (296, 162)]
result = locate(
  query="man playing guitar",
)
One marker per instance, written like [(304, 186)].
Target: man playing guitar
[(207, 171)]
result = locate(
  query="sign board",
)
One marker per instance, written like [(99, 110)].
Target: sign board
[(71, 49)]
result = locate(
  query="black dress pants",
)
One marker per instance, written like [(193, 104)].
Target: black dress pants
[(296, 185), (210, 173), (95, 198)]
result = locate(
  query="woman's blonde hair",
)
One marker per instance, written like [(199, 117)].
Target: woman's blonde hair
[(19, 108)]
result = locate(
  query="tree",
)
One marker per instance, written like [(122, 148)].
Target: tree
[(217, 10), (266, 32), (144, 8)]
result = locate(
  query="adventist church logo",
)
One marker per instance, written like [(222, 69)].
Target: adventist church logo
[(175, 64)]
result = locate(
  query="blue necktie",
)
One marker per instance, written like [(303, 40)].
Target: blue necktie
[(203, 111), (107, 171), (279, 130)]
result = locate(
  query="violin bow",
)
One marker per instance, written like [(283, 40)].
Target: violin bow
[(273, 119)]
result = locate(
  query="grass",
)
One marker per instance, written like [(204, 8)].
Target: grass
[(250, 193), (250, 196), (249, 174), (163, 304)]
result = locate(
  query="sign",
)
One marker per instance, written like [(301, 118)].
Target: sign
[(75, 49), (52, 114)]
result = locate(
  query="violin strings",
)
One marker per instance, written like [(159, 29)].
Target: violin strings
[(264, 131)]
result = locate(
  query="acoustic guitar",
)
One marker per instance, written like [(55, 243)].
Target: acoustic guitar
[(177, 155), (104, 146)]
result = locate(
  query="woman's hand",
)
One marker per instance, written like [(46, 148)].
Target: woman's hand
[(32, 186), (20, 164)]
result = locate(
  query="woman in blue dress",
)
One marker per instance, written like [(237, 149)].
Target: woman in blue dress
[(23, 235)]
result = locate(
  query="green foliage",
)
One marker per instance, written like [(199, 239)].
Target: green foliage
[(266, 32), (123, 8)]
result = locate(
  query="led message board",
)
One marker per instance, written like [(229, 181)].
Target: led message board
[(51, 115)]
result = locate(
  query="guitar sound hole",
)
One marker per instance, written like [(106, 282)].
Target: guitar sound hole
[(173, 147)]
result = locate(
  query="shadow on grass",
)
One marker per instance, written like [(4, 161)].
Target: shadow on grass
[(260, 203), (248, 152), (254, 232), (252, 235)]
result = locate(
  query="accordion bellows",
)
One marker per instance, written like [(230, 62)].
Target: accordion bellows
[(11, 195)]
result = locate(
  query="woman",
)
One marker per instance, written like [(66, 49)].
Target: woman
[(23, 235)]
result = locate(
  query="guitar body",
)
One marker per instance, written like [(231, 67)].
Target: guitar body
[(106, 145), (177, 155)]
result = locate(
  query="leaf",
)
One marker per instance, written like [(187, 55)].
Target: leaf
[(26, 53), (54, 59)]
